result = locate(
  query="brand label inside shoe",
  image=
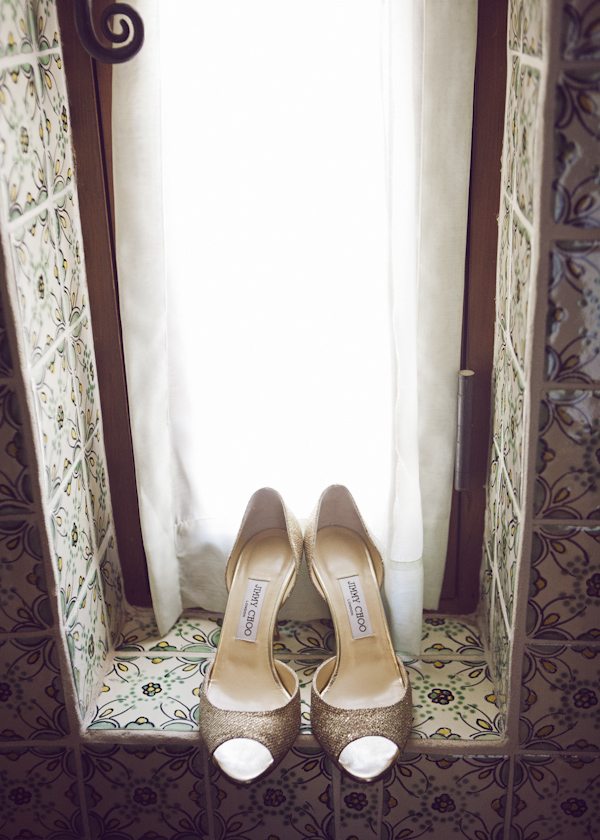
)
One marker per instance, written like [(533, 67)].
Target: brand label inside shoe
[(358, 613), (250, 614)]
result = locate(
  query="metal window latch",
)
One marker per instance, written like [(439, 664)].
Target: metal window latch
[(131, 34), (462, 464)]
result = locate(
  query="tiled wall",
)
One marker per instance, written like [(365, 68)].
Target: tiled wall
[(500, 752)]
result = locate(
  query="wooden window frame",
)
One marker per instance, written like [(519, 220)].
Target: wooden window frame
[(89, 90)]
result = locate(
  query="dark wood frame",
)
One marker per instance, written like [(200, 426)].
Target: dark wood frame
[(89, 88)]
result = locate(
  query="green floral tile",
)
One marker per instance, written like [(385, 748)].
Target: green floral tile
[(581, 33), (39, 793), (97, 476), (533, 20), (556, 796), (445, 636), (22, 157), (196, 631), (529, 83), (39, 289), (487, 586), (54, 390), (71, 263), (15, 482), (112, 588), (499, 386), (520, 285), (446, 796), (71, 537), (45, 21), (504, 260), (564, 590), (573, 325), (499, 653), (16, 28), (311, 638), (32, 703), (576, 189), (567, 458), (492, 501), (86, 380), (294, 801), (151, 693), (511, 130), (513, 426), (142, 791), (559, 696), (24, 603), (507, 544), (87, 638), (57, 129), (515, 23), (453, 700)]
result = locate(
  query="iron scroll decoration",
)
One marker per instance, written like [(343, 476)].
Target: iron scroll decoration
[(131, 22)]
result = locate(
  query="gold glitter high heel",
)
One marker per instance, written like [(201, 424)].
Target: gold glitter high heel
[(361, 708), (249, 703)]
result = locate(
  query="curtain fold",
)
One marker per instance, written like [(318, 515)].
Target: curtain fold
[(206, 436)]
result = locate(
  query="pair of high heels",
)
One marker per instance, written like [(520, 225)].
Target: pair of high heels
[(361, 709)]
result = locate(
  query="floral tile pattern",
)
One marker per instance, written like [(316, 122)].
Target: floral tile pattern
[(359, 808), (556, 792), (567, 458), (39, 793), (97, 476), (577, 145), (32, 704), (56, 121), (22, 156), (504, 260), (515, 21), (499, 652), (499, 387), (519, 289), (24, 604), (88, 642), (487, 585), (507, 542), (112, 589), (492, 501), (196, 631), (84, 365), (532, 27), (141, 791), (450, 636), (564, 591), (581, 34), (16, 35), (72, 541), (529, 83), (511, 130), (40, 291), (512, 423), (15, 481), (71, 265), (573, 332), (446, 796), (561, 686), (46, 23)]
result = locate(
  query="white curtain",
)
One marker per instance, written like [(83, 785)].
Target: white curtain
[(291, 185)]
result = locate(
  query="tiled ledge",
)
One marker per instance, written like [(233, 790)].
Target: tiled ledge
[(152, 683)]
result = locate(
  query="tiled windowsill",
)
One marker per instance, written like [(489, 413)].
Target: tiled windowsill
[(152, 682)]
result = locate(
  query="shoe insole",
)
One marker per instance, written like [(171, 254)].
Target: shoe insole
[(367, 672), (244, 676)]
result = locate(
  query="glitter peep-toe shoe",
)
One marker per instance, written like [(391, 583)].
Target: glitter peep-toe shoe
[(250, 703), (361, 707)]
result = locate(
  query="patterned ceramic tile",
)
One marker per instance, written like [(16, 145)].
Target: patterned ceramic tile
[(450, 636), (453, 700), (499, 386), (513, 426), (196, 631), (567, 459), (559, 696), (140, 791), (556, 797), (507, 542), (577, 149), (46, 23), (85, 377), (32, 704), (515, 22), (511, 130), (499, 652), (39, 793), (294, 801), (71, 264), (358, 808), (503, 274), (532, 27), (573, 326), (88, 642), (6, 365), (529, 83), (39, 288), (71, 539), (112, 588), (446, 796), (22, 159), (97, 476), (55, 107), (564, 592), (16, 30), (24, 604), (15, 481), (151, 693), (519, 289), (581, 30), (311, 638), (492, 500), (57, 415), (487, 585)]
